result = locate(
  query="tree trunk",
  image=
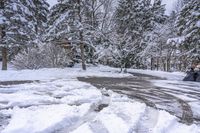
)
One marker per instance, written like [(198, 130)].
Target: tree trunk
[(4, 58), (81, 37), (164, 64), (4, 51), (168, 64), (157, 63), (152, 63), (82, 56)]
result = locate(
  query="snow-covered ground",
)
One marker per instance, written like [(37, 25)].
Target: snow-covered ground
[(178, 76), (57, 102), (181, 89)]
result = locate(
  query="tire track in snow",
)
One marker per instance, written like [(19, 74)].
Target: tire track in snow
[(147, 121), (146, 92), (98, 127), (89, 117), (186, 114)]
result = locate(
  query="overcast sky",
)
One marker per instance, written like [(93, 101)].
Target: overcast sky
[(169, 4), (52, 2)]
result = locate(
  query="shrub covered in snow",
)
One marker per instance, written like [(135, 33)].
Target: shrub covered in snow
[(45, 56)]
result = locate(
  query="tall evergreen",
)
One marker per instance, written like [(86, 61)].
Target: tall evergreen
[(40, 11), (14, 27), (158, 10), (133, 20), (188, 30), (2, 34), (76, 21), (179, 4), (65, 23), (19, 22), (155, 38)]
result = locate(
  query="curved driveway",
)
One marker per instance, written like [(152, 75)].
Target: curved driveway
[(140, 88)]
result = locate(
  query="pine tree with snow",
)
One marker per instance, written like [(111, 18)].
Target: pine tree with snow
[(19, 24), (188, 25), (40, 11), (179, 5), (92, 20), (14, 25), (65, 23), (133, 20), (158, 10), (78, 22), (59, 21), (155, 37)]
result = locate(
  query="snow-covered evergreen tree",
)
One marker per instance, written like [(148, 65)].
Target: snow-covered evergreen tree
[(188, 25), (155, 37), (78, 22), (103, 42), (19, 22), (15, 25), (65, 23), (158, 12), (40, 11), (59, 21), (178, 5), (133, 21)]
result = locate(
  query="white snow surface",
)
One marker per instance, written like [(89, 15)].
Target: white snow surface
[(60, 103), (57, 73), (174, 83), (178, 76)]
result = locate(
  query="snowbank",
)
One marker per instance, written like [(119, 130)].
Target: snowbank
[(57, 73)]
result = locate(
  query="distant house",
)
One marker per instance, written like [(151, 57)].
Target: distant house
[(64, 43), (68, 48)]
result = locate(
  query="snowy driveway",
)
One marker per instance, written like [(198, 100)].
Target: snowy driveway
[(177, 97), (55, 101)]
